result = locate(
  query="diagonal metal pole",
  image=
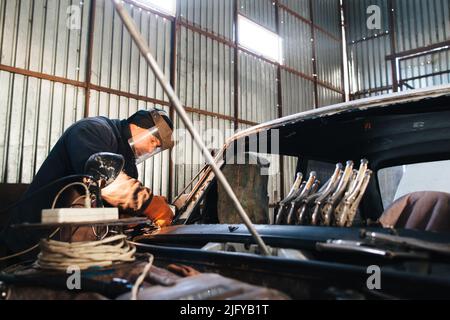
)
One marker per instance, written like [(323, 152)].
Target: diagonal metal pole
[(145, 51)]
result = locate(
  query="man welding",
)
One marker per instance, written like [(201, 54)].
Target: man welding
[(142, 136)]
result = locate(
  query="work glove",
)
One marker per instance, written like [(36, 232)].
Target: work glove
[(127, 194), (159, 211)]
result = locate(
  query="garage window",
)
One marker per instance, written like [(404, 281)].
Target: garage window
[(396, 182), (165, 6), (259, 40)]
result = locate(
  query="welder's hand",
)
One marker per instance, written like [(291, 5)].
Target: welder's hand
[(127, 194), (159, 211)]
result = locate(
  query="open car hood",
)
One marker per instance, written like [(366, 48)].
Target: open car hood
[(393, 129)]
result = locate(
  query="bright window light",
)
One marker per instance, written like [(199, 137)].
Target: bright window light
[(259, 40), (164, 6)]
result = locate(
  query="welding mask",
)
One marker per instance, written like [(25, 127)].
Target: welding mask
[(144, 145)]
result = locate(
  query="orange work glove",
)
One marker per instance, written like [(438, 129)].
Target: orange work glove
[(159, 211), (127, 194)]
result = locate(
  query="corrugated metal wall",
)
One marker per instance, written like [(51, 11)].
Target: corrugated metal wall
[(50, 77), (116, 61), (34, 112), (312, 50), (262, 12), (118, 65), (258, 89), (400, 55), (212, 16), (205, 73)]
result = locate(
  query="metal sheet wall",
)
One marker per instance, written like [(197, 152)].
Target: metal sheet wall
[(368, 67), (298, 93), (356, 19), (35, 36), (205, 73), (327, 16), (257, 89), (425, 71), (35, 112), (261, 11), (312, 52), (36, 107), (408, 27), (116, 61), (33, 115), (367, 48), (328, 97), (213, 16), (421, 23), (297, 49), (205, 81), (299, 6), (329, 60)]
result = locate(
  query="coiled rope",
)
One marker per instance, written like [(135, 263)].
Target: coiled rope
[(56, 255)]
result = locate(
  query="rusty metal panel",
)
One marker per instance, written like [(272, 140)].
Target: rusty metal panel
[(212, 16), (298, 93), (205, 73), (117, 63), (34, 113), (257, 89), (259, 11), (329, 60), (296, 35), (37, 36), (154, 172), (299, 6)]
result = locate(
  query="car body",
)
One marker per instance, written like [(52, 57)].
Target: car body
[(393, 130)]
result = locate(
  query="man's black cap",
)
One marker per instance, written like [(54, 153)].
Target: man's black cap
[(144, 120)]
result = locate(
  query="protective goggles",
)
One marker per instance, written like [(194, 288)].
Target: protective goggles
[(144, 145)]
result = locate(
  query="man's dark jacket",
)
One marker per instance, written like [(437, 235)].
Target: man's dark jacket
[(67, 158)]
